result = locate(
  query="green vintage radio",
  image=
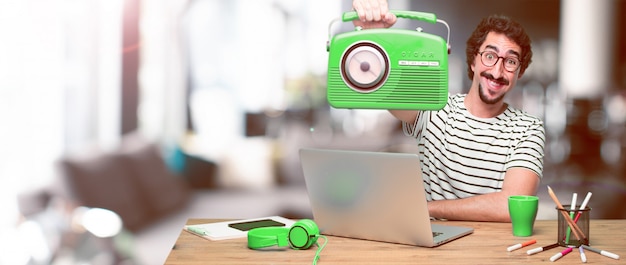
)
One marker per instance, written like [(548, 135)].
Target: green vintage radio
[(388, 68)]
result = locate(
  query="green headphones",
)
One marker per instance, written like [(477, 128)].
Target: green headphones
[(301, 235)]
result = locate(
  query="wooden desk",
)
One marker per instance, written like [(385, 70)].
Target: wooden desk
[(487, 245)]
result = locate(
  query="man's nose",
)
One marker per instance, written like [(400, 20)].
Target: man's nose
[(498, 68)]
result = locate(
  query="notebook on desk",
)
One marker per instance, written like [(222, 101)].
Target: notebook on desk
[(372, 195)]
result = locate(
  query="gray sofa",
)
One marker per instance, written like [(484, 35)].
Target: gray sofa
[(153, 200)]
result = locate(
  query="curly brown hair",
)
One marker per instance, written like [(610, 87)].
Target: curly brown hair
[(503, 25)]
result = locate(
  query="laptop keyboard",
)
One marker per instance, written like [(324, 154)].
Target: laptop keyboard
[(436, 234)]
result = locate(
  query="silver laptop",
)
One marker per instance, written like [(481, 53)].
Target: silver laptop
[(372, 195)]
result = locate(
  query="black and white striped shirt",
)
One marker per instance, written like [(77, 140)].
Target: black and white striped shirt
[(462, 155)]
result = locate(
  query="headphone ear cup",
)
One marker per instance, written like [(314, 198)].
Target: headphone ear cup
[(268, 236), (303, 234)]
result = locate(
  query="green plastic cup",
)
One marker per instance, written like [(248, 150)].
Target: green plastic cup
[(523, 211)]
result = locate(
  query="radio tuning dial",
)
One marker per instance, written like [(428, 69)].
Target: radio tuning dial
[(365, 67)]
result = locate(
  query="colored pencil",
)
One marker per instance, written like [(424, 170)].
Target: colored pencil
[(577, 231)]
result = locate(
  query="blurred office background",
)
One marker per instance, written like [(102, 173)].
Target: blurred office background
[(227, 91)]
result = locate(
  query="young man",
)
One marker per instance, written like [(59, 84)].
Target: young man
[(477, 150)]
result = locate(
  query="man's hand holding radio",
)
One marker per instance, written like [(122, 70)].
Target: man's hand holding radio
[(373, 14)]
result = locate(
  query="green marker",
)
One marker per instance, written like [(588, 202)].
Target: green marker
[(197, 230), (571, 215)]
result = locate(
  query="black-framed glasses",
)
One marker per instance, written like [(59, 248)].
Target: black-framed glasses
[(489, 59)]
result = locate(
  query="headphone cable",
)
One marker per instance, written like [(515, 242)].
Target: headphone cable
[(319, 249)]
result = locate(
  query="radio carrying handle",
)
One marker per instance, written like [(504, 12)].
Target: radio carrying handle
[(422, 16), (426, 17)]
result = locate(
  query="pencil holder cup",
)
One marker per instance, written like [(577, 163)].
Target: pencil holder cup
[(568, 236)]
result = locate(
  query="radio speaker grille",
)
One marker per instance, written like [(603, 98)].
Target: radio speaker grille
[(405, 88)]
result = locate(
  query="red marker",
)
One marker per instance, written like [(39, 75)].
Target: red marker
[(583, 206), (561, 254), (521, 245)]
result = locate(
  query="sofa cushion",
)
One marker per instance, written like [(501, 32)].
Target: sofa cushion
[(161, 189), (133, 181), (103, 181)]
